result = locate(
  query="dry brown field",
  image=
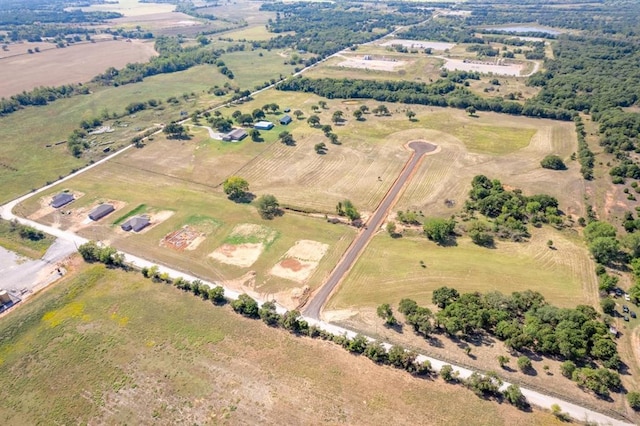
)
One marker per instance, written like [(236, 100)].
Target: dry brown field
[(74, 64)]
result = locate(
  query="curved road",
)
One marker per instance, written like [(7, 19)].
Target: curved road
[(352, 254)]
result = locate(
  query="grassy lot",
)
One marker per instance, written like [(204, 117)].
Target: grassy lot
[(390, 270), (257, 33), (11, 240), (184, 199), (25, 160), (107, 346)]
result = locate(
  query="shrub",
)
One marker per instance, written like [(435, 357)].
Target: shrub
[(553, 162), (524, 363)]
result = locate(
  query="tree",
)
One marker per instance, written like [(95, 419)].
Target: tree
[(381, 110), (524, 364), (175, 131), (313, 121), (268, 206), (246, 306), (358, 114), (410, 114), (326, 129), (346, 208), (471, 111), (376, 352), (567, 368), (298, 114), (605, 250), (333, 138), (291, 321), (553, 162), (257, 114), (320, 148), (268, 314), (608, 305), (323, 104), (385, 312), (274, 107), (438, 230), (286, 138), (216, 295), (245, 119), (598, 229), (337, 117), (255, 135), (514, 396), (443, 296), (235, 187), (503, 360), (634, 400), (391, 228), (364, 109), (448, 374)]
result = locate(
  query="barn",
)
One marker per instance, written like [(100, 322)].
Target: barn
[(263, 125), (101, 211), (237, 134), (61, 199), (285, 119), (136, 224)]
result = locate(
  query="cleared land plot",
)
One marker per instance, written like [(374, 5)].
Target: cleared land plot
[(372, 64), (131, 8), (250, 69), (106, 347), (171, 23), (406, 66), (258, 33), (300, 260), (522, 142), (483, 67), (190, 201), (390, 270), (77, 63), (417, 44), (244, 245)]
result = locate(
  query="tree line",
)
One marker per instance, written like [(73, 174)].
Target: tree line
[(443, 92)]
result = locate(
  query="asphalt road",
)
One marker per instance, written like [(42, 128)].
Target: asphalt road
[(314, 306)]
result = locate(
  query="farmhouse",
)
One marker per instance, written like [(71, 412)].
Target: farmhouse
[(101, 211), (237, 134), (285, 119), (263, 125), (61, 199), (136, 224)]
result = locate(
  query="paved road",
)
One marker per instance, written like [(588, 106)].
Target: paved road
[(352, 254)]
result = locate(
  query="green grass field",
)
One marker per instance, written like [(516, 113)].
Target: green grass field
[(10, 239), (188, 201), (390, 270), (110, 347)]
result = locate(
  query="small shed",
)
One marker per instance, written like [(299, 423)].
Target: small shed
[(101, 211), (61, 199), (285, 119), (263, 125), (237, 134), (136, 224)]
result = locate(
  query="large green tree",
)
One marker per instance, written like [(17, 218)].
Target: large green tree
[(235, 187)]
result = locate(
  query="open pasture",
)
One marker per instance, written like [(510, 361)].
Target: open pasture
[(105, 347), (417, 44), (77, 63), (130, 8), (390, 270)]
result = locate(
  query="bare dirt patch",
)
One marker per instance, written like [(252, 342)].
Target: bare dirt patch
[(242, 255), (372, 64), (74, 64), (510, 69), (77, 219), (182, 239), (300, 260), (45, 205), (415, 44)]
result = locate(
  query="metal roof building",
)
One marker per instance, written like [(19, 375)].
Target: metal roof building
[(61, 199), (101, 211), (263, 125), (237, 134), (136, 224), (285, 119)]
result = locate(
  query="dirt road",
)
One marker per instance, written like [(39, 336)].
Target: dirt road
[(352, 254)]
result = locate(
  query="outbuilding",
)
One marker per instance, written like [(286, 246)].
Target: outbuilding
[(101, 211), (136, 224), (263, 125), (61, 199), (237, 134), (285, 119)]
